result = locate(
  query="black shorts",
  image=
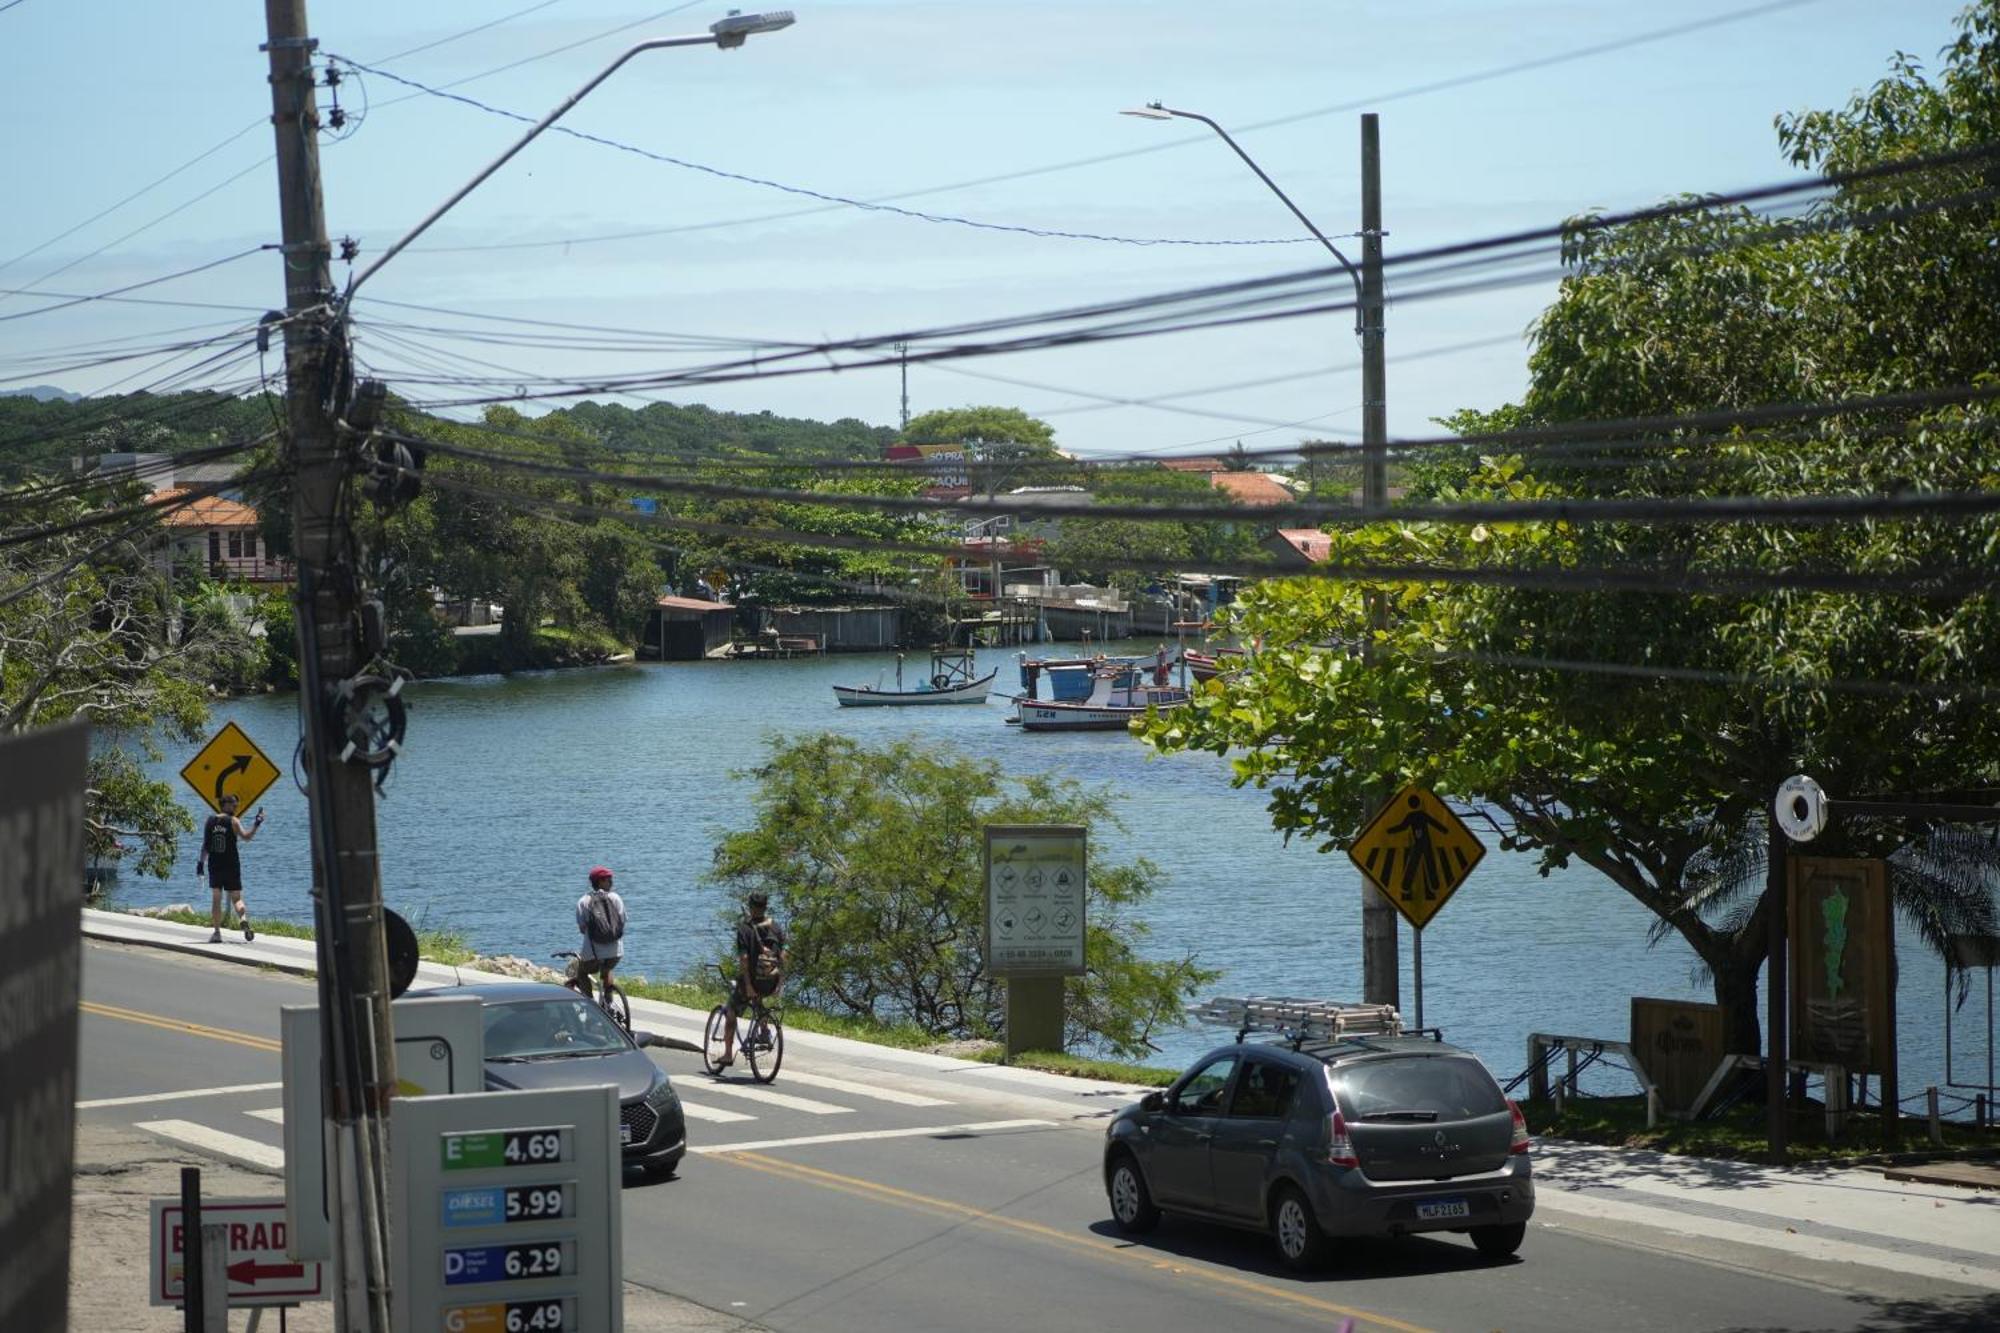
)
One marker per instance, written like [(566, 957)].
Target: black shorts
[(228, 881), (739, 999)]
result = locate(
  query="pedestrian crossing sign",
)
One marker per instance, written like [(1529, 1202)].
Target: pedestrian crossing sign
[(1417, 852), (230, 765)]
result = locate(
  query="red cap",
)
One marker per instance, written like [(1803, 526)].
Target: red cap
[(600, 872)]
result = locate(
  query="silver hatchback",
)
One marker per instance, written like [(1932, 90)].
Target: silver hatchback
[(1367, 1136)]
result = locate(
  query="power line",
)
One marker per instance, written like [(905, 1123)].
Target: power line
[(135, 286), (479, 28)]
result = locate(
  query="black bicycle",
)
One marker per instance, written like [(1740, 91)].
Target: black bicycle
[(760, 1034), (613, 1002)]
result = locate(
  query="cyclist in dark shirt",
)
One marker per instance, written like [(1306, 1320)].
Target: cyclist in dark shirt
[(760, 966), (219, 860)]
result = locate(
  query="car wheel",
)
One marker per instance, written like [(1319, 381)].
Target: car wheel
[(1132, 1205), (1301, 1244), (1497, 1242)]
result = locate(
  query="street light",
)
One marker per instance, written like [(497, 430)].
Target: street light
[(725, 34), (1155, 111)]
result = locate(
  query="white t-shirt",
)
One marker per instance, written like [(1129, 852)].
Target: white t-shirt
[(613, 950)]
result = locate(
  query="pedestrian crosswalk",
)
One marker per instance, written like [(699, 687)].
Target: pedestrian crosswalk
[(705, 1101)]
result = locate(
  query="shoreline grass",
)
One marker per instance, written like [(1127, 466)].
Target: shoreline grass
[(1739, 1134)]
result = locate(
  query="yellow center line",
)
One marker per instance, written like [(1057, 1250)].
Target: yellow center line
[(1107, 1250), (176, 1025)]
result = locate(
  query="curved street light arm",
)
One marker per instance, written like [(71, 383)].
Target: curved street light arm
[(1352, 272), (723, 39)]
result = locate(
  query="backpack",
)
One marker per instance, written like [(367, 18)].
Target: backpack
[(218, 836), (607, 923), (764, 957)]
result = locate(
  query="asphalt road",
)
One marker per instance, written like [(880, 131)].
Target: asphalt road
[(840, 1199)]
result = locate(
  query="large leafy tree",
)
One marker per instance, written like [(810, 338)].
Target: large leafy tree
[(872, 858), (982, 425), (1643, 733)]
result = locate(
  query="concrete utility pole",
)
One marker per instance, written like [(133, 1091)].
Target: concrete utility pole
[(359, 1050), (903, 354), (1380, 983)]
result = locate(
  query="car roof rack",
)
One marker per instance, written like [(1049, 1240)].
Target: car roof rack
[(1300, 1020)]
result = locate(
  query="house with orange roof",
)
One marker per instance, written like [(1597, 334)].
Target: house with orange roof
[(1244, 488), (219, 537), (1299, 547)]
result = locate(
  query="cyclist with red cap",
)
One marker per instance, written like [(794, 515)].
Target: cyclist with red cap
[(600, 919)]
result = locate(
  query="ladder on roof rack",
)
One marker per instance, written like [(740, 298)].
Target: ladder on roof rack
[(1300, 1020)]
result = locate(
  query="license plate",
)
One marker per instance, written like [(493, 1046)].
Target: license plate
[(1436, 1210), (624, 1133)]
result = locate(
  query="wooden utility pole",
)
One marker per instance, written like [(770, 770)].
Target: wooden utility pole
[(1380, 983), (359, 1050)]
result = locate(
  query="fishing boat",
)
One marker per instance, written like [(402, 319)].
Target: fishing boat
[(952, 681), (1069, 677), (1207, 666), (1118, 694)]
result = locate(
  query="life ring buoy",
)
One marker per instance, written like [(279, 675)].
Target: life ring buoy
[(940, 681)]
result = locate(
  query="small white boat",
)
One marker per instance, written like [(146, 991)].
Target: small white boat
[(951, 682), (1118, 696)]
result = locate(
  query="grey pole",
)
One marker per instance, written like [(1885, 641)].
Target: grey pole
[(1380, 982), (358, 1046), (1777, 1113)]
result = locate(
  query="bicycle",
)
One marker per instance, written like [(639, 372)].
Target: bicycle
[(613, 1002), (761, 1038)]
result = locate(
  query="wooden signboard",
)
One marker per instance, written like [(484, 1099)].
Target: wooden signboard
[(1679, 1043), (1843, 973)]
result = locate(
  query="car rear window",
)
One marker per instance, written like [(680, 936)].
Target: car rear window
[(1452, 1087)]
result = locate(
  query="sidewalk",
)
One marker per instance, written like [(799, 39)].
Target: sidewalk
[(1814, 1221)]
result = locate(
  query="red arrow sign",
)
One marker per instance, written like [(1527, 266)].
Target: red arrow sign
[(252, 1272)]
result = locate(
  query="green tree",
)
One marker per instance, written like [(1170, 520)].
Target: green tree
[(872, 858), (982, 425), (1659, 772)]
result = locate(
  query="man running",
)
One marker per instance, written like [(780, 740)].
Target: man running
[(760, 966), (600, 919), (218, 859)]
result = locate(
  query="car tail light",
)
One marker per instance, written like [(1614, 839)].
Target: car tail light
[(1340, 1152), (1521, 1141)]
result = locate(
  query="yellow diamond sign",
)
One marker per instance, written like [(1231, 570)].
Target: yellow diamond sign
[(1417, 852), (230, 765)]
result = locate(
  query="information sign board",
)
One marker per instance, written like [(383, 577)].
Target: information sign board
[(230, 765), (506, 1212), (440, 1048), (260, 1271), (1417, 851), (1035, 895)]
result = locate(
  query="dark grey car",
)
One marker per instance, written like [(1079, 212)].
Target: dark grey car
[(545, 1036), (1375, 1136)]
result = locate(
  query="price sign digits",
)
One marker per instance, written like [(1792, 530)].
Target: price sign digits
[(535, 1317), (527, 1261), (531, 1203), (533, 1145)]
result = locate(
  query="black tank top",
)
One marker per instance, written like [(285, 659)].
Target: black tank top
[(219, 842)]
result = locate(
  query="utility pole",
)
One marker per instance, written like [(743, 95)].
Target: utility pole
[(358, 1052), (903, 354), (1380, 983)]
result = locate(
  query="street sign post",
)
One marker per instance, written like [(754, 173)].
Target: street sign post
[(260, 1271), (230, 765), (1417, 851), (440, 1048), (1035, 924), (506, 1212)]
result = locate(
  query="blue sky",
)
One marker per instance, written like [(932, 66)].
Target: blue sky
[(868, 98)]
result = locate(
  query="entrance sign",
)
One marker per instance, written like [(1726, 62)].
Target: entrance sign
[(440, 1048), (1417, 851), (41, 941), (260, 1271), (230, 765), (506, 1212), (1843, 974), (1678, 1043), (1035, 899)]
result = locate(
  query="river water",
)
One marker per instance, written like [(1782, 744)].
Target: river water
[(510, 788)]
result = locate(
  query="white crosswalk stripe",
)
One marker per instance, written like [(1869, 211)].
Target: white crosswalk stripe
[(876, 1091), (216, 1141), (713, 1114), (756, 1093), (274, 1114)]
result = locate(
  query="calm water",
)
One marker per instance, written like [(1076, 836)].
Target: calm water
[(511, 788)]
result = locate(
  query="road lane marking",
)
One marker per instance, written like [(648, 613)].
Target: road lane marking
[(215, 1141), (765, 1095), (177, 1025), (1110, 1251), (715, 1114), (879, 1093), (176, 1096), (274, 1114), (860, 1135)]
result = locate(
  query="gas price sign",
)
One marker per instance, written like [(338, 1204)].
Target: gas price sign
[(509, 1263), (512, 1147), (499, 1205), (540, 1316)]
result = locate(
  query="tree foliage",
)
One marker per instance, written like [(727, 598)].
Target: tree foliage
[(872, 859), (1658, 769), (982, 425)]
